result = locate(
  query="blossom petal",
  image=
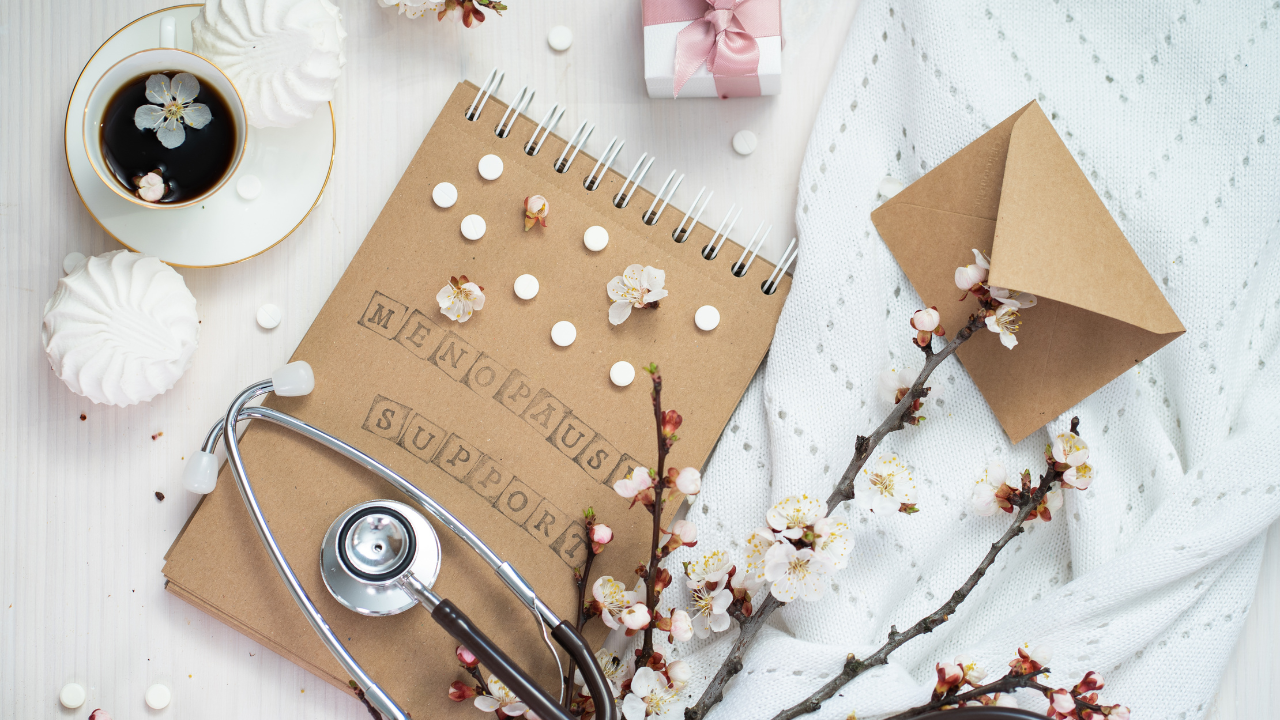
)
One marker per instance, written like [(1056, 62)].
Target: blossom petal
[(445, 296), (196, 115), (719, 622), (171, 133), (158, 89), (632, 276), (619, 311), (484, 703), (634, 708), (617, 288), (1008, 339), (981, 259), (655, 295), (515, 709), (148, 117), (477, 295), (653, 278), (185, 87)]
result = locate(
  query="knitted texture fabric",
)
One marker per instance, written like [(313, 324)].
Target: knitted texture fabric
[(1173, 113)]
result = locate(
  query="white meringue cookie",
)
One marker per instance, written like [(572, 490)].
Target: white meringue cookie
[(283, 56), (121, 328)]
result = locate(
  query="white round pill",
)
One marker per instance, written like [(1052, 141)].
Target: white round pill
[(473, 227), (269, 316), (70, 262), (71, 696), (890, 186), (564, 333), (157, 697), (445, 194), (744, 142), (560, 38), (249, 187), (622, 373), (595, 238), (706, 318), (490, 167), (526, 287)]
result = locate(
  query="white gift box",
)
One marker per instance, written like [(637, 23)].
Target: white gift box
[(660, 65)]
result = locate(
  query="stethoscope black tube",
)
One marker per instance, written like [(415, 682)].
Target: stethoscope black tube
[(449, 617), (592, 675)]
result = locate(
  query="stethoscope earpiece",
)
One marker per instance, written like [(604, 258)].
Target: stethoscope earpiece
[(370, 549)]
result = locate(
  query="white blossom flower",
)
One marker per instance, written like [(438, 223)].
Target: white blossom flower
[(635, 483), (758, 544), (636, 617), (616, 661), (884, 486), (973, 674), (684, 531), (1070, 449), (1042, 654), (833, 541), (926, 320), (680, 673), (172, 108), (414, 9), (984, 491), (651, 697), (891, 383), (1079, 476), (1006, 323), (710, 609), (970, 275), (689, 481), (459, 298), (1013, 298), (151, 187), (500, 698), (710, 570), (681, 626), (795, 573), (637, 286), (791, 515), (614, 599)]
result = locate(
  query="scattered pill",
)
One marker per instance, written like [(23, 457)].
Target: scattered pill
[(157, 697), (72, 696), (595, 238), (70, 262), (744, 142), (560, 38), (526, 287), (490, 167), (249, 187), (445, 194), (622, 373), (890, 186), (564, 333), (269, 316), (706, 318), (473, 227)]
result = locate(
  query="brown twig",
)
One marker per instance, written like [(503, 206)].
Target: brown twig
[(581, 579), (863, 450), (1008, 683), (655, 556), (853, 667)]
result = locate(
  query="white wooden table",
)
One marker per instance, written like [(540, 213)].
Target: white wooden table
[(83, 535)]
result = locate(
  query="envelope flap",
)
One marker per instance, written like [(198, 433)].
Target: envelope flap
[(1055, 238)]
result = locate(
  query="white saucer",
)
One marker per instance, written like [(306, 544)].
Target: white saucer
[(293, 164)]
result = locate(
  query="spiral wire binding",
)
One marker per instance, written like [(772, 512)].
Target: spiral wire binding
[(650, 217), (550, 120), (712, 248), (623, 198), (592, 181), (489, 88), (561, 165), (661, 199), (770, 286), (680, 234), (514, 109)]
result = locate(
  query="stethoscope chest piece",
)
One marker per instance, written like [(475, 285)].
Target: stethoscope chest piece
[(371, 548)]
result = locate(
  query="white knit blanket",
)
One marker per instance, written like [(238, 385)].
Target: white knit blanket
[(1174, 115)]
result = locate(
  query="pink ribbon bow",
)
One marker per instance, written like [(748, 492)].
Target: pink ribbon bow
[(723, 35)]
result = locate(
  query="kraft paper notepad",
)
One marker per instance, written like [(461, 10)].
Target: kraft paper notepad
[(513, 434)]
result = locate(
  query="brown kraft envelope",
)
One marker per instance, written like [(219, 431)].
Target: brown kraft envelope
[(511, 433), (1016, 194)]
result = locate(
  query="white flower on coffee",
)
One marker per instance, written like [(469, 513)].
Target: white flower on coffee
[(173, 107), (636, 287), (151, 187)]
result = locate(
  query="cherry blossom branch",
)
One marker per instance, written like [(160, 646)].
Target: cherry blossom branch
[(581, 578), (864, 448), (1008, 683), (655, 554), (853, 666)]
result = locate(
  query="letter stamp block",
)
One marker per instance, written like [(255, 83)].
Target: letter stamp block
[(386, 418), (384, 315), (457, 457), (422, 438), (420, 335)]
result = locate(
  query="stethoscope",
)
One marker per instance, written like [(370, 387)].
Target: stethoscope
[(382, 557)]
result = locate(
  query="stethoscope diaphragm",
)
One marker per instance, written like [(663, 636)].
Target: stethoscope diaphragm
[(370, 548)]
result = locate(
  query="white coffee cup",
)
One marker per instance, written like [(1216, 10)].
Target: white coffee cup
[(163, 59)]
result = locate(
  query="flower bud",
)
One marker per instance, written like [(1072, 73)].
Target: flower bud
[(636, 617), (459, 691), (681, 628), (926, 320), (671, 422), (1042, 654), (1061, 701), (1117, 712), (601, 535), (1091, 682), (465, 657), (679, 671), (689, 481)]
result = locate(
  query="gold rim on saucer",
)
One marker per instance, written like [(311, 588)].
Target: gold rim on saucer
[(333, 124)]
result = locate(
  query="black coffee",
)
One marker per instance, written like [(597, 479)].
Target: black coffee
[(189, 170)]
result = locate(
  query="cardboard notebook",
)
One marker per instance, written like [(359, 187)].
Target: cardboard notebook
[(513, 434)]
